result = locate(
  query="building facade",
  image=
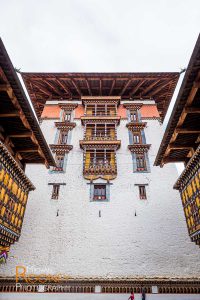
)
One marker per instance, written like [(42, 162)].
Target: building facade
[(105, 216)]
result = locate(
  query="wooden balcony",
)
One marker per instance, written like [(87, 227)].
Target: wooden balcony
[(100, 169)]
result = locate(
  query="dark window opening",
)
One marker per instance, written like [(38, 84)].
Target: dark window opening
[(142, 192), (99, 192), (55, 191)]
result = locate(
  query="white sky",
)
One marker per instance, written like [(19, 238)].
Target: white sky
[(100, 35)]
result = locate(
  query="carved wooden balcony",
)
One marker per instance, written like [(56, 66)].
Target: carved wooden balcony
[(100, 169)]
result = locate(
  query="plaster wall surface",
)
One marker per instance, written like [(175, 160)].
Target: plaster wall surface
[(132, 238)]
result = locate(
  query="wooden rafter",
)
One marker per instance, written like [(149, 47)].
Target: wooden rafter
[(65, 88), (162, 86), (54, 89), (100, 87), (112, 87), (88, 87), (148, 88), (42, 89), (136, 88), (76, 87), (125, 86)]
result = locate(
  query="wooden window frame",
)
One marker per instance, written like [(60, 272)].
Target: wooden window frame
[(142, 192), (55, 191)]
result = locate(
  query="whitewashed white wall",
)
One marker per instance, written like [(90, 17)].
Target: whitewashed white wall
[(155, 243)]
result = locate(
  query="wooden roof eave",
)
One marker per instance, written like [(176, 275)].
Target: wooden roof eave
[(182, 107), (21, 98)]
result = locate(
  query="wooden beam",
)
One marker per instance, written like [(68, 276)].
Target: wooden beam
[(88, 87), (162, 86), (76, 87), (148, 88), (11, 114), (112, 87), (52, 87), (186, 130), (27, 150), (173, 146), (192, 110), (136, 88), (4, 87), (172, 160), (100, 87), (21, 135), (65, 88), (125, 87), (42, 89)]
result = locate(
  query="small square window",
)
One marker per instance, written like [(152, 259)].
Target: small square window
[(142, 192), (99, 192), (55, 191)]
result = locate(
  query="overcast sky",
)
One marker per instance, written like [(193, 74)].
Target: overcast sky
[(99, 35)]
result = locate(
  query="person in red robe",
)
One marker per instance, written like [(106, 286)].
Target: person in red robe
[(132, 297)]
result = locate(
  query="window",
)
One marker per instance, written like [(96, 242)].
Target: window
[(99, 192), (134, 116), (141, 162), (142, 192), (66, 116), (59, 162), (55, 191), (136, 138), (63, 138)]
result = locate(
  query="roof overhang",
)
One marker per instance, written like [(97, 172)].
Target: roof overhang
[(44, 87), (17, 120), (182, 135)]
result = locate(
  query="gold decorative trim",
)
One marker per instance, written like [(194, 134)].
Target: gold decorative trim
[(112, 144)]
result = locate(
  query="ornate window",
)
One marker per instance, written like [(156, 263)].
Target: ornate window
[(134, 116), (141, 162), (55, 191), (63, 138), (137, 138), (59, 163), (142, 192), (66, 116)]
